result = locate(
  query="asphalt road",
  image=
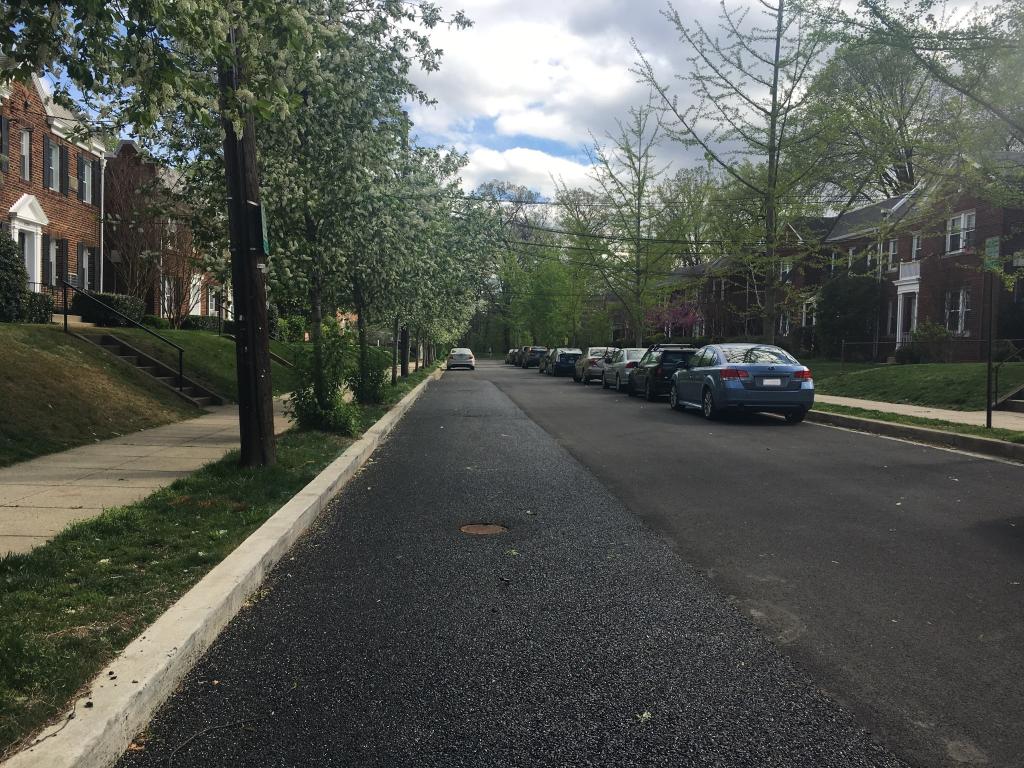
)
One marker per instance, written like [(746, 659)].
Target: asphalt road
[(892, 573), (579, 637)]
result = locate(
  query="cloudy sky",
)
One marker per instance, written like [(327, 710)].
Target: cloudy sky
[(523, 88)]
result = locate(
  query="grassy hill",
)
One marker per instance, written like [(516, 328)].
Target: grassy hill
[(209, 358), (956, 386), (58, 392)]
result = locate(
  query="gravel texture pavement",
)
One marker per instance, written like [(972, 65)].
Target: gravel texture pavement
[(577, 638)]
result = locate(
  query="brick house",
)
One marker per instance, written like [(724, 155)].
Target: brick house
[(150, 251), (51, 188), (927, 251)]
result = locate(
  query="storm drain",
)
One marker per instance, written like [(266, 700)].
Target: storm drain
[(483, 529)]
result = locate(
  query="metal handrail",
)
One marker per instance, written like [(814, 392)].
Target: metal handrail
[(181, 350)]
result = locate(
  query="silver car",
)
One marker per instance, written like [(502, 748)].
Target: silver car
[(461, 357), (591, 365), (617, 371)]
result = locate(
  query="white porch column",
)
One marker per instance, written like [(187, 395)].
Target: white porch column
[(899, 320)]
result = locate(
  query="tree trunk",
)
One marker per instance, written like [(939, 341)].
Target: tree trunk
[(394, 353), (316, 322), (405, 351), (363, 386), (252, 342)]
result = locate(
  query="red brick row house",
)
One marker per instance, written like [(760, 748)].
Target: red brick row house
[(51, 176), (925, 249)]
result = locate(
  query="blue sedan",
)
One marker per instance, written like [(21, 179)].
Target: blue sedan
[(751, 377)]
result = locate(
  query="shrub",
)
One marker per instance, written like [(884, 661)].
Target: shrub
[(318, 401), (130, 306), (160, 323), (932, 342), (847, 310), (13, 279), (36, 307), (292, 328), (370, 385), (908, 355)]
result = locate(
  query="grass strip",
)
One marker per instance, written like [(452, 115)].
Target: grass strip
[(68, 607), (1009, 435)]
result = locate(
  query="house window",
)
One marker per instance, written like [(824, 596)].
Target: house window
[(960, 232), (26, 154), (915, 247), (51, 158), (958, 310), (84, 180), (892, 254)]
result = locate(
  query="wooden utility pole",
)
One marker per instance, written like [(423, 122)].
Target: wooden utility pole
[(248, 282)]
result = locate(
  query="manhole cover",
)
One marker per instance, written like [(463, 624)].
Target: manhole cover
[(483, 529)]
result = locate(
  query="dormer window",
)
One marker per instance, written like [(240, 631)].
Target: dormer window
[(960, 232)]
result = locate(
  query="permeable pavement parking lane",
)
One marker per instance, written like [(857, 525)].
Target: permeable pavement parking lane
[(577, 637)]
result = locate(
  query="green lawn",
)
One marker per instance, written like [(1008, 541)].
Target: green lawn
[(209, 358), (70, 606), (59, 392), (955, 386), (965, 429)]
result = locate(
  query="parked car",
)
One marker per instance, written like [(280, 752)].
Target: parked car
[(510, 358), (652, 376), (591, 365), (461, 357), (562, 360), (619, 370), (532, 356), (752, 377)]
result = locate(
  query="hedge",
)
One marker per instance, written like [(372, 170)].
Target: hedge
[(130, 306)]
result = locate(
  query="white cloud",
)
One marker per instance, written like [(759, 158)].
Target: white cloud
[(530, 167)]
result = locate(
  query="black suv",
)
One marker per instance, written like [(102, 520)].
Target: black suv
[(532, 356), (652, 376)]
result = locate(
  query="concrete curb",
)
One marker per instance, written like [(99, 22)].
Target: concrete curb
[(983, 445), (127, 692)]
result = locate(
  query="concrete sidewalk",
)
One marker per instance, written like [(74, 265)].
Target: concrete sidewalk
[(1000, 419), (39, 498)]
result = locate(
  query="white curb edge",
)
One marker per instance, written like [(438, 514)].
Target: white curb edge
[(149, 670)]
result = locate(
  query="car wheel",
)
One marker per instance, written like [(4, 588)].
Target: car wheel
[(707, 405), (673, 400), (795, 417), (604, 382)]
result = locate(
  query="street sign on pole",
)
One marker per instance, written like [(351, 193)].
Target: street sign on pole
[(991, 253)]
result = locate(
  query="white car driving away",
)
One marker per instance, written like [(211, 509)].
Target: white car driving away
[(461, 357)]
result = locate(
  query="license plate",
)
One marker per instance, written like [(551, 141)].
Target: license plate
[(771, 382)]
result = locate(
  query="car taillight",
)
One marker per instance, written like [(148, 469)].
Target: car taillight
[(631, 364), (733, 373), (804, 375)]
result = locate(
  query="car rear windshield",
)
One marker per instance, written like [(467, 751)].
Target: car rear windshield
[(675, 355), (769, 355)]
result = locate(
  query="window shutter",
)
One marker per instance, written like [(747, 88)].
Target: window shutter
[(94, 270), (96, 185), (81, 266), (5, 143), (62, 261), (47, 271), (65, 171), (47, 163), (81, 178)]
